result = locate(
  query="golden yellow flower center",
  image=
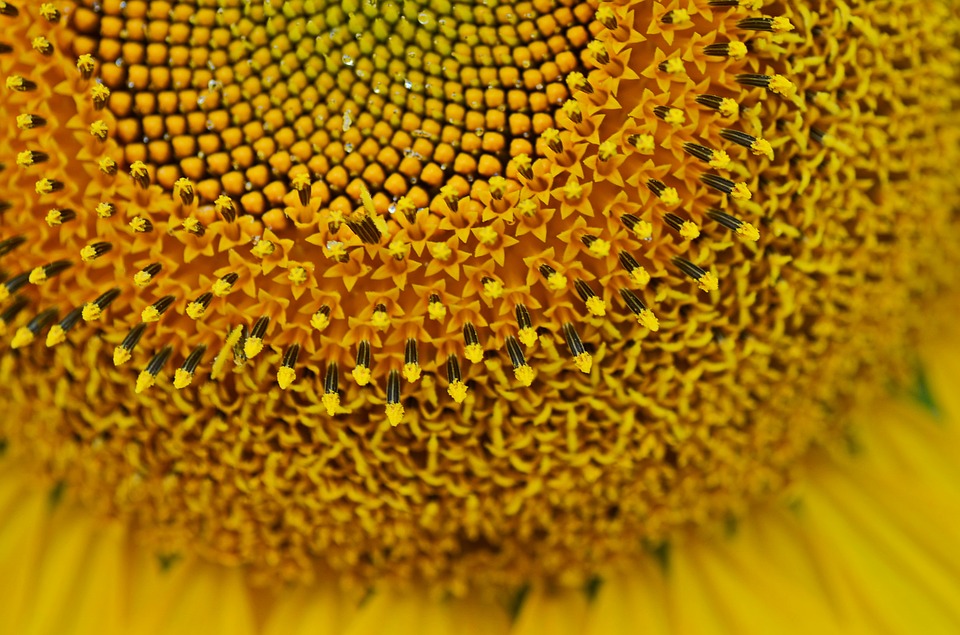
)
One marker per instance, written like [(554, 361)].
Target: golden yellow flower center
[(475, 293)]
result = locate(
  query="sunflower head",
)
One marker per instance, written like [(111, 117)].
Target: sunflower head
[(466, 292)]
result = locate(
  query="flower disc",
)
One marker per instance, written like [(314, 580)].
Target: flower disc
[(471, 293)]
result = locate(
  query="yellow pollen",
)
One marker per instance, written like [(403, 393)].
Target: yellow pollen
[(394, 414), (55, 336), (144, 381), (195, 310), (285, 377), (440, 251), (675, 117), (689, 230), (741, 192), (644, 143), (596, 306), (252, 347), (398, 248), (640, 276), (474, 353), (120, 356), (411, 372), (762, 147), (457, 391), (451, 195), (182, 379), (551, 136), (523, 162), (572, 110), (708, 282), (37, 276), (576, 80), (782, 86), (104, 210), (405, 206), (99, 129), (680, 17), (297, 275), (557, 282), (487, 235), (24, 122), (44, 186), (22, 337), (583, 362), (336, 251), (15, 82), (49, 12), (605, 15), (86, 63), (528, 336), (182, 187), (524, 374), (669, 196), (88, 253), (142, 279), (643, 230), (781, 24), (748, 232), (331, 402), (41, 44), (150, 314), (498, 186), (319, 321), (648, 320), (25, 159), (737, 50), (107, 165), (527, 208), (99, 93), (361, 375), (91, 312), (53, 219), (599, 248), (301, 182), (436, 311), (598, 51), (729, 107), (263, 248), (380, 320), (493, 288), (138, 170), (720, 160), (573, 191), (192, 225), (674, 66), (222, 287), (138, 224), (607, 150), (223, 204)]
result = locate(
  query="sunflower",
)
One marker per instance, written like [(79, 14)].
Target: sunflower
[(540, 316)]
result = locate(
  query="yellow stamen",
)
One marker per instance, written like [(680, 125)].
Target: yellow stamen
[(457, 390), (708, 282), (596, 306), (285, 377)]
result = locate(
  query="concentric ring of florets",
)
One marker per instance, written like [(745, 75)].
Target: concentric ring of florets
[(256, 100), (291, 314)]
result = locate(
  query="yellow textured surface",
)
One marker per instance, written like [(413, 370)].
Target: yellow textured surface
[(480, 159)]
